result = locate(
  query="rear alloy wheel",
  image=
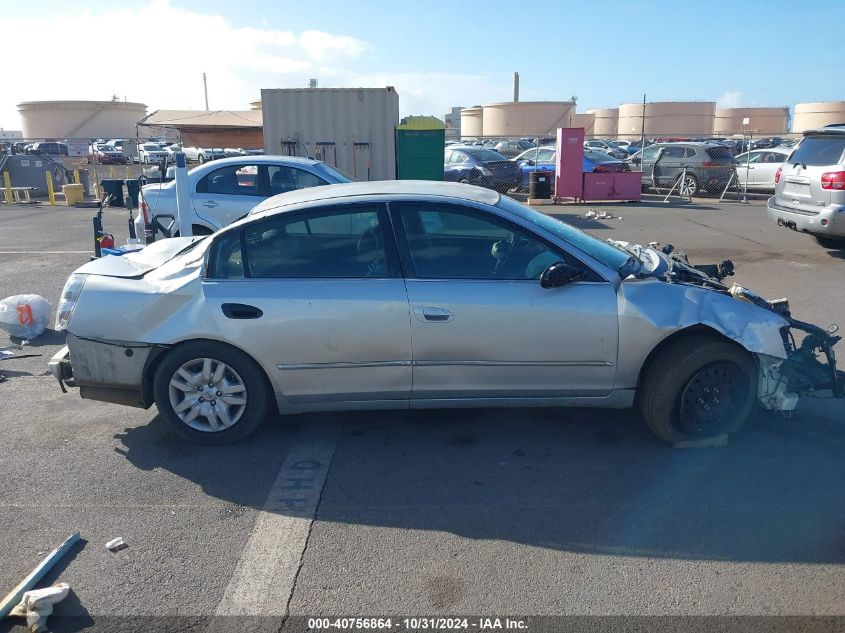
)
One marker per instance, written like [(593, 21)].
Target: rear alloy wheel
[(689, 186), (832, 243), (700, 387), (200, 159), (210, 393)]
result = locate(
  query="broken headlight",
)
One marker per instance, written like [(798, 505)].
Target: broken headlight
[(69, 297)]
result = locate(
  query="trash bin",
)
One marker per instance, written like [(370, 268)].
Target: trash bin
[(539, 185), (74, 194), (83, 180), (132, 189), (420, 143), (113, 188)]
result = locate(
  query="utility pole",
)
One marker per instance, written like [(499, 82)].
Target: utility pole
[(205, 90)]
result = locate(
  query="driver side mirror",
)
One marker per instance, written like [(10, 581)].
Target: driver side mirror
[(531, 162), (635, 160), (560, 274)]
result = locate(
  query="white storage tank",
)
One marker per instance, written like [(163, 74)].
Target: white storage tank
[(815, 115), (350, 128), (526, 118), (760, 120), (667, 119), (80, 119), (605, 122), (472, 122)]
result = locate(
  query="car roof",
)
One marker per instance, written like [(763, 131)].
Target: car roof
[(381, 188), (833, 130)]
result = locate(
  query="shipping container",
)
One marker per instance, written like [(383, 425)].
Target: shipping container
[(352, 129)]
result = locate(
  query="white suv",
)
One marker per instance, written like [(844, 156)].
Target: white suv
[(810, 187), (224, 190)]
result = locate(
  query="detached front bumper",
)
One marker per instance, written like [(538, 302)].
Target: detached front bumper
[(109, 371)]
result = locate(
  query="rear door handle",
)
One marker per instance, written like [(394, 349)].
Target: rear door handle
[(210, 204), (241, 311), (426, 313)]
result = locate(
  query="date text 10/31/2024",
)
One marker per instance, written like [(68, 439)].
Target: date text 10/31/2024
[(481, 624)]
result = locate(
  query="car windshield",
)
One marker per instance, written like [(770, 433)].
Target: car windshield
[(819, 150), (332, 174), (604, 252), (484, 155)]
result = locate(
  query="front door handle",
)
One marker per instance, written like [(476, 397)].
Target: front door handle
[(241, 311), (210, 204), (426, 313)]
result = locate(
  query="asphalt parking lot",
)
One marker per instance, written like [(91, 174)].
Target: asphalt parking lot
[(488, 512)]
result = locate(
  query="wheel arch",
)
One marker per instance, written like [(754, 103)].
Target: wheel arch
[(160, 352), (699, 329)]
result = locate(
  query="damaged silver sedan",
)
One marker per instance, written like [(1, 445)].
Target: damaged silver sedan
[(392, 295)]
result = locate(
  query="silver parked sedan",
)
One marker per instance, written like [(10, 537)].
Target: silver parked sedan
[(408, 294)]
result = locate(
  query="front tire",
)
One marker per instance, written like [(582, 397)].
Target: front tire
[(210, 393), (689, 186), (700, 387)]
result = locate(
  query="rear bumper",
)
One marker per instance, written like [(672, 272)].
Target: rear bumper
[(109, 371), (829, 221)]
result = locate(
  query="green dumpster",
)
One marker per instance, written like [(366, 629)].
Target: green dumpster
[(420, 144), (132, 189), (112, 188)]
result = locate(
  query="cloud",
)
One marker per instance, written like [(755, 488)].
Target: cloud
[(163, 72), (730, 100)]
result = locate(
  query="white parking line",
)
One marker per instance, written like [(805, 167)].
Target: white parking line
[(266, 572)]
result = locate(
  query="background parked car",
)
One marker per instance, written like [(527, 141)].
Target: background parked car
[(512, 148), (106, 155), (151, 153), (608, 147), (709, 166), (760, 167), (810, 187), (224, 190), (202, 155), (480, 166), (47, 148)]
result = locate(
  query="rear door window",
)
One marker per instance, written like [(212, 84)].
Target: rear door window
[(722, 154), (819, 150)]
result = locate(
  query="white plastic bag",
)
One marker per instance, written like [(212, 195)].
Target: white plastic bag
[(24, 316)]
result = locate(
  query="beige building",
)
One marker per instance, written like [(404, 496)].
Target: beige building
[(760, 120), (585, 120), (808, 116), (472, 122), (605, 122), (666, 118), (80, 119), (526, 118)]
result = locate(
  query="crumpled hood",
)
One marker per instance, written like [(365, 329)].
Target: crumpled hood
[(139, 263)]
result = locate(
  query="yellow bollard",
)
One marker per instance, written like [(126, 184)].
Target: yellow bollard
[(50, 193), (111, 172), (7, 185), (76, 178)]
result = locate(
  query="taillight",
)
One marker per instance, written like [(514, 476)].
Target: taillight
[(145, 209), (777, 174), (601, 167), (833, 180)]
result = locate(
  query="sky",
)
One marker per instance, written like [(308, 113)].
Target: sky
[(436, 54)]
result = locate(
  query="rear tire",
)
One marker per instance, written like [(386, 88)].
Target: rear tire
[(229, 403), (700, 387), (689, 187), (832, 243)]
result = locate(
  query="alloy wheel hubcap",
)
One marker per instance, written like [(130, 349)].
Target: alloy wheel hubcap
[(207, 395)]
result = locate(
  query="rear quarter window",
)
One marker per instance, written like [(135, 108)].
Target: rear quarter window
[(819, 150), (722, 154)]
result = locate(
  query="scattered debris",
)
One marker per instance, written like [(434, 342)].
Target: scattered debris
[(599, 215), (14, 597), (37, 604), (116, 544)]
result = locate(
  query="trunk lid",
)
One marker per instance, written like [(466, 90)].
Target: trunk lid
[(141, 262)]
